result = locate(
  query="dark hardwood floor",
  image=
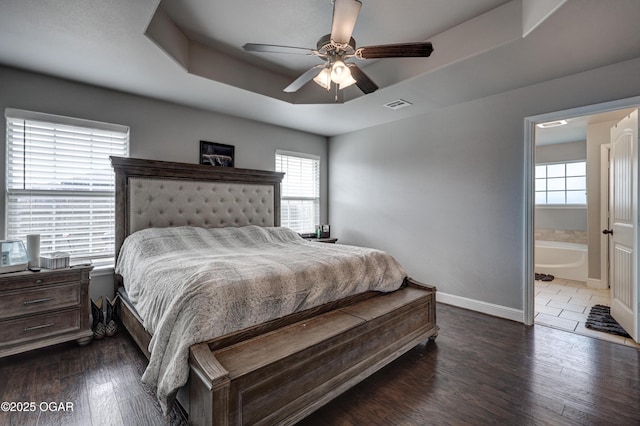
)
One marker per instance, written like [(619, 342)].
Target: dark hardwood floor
[(480, 370)]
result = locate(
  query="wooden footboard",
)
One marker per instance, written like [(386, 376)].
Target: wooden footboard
[(280, 372), (282, 376)]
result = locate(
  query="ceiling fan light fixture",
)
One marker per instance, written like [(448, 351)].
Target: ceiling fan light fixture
[(323, 78), (340, 72), (347, 82), (335, 47)]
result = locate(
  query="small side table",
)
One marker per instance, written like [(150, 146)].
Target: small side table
[(323, 240), (39, 309)]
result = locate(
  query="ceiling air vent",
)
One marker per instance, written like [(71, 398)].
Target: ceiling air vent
[(398, 104)]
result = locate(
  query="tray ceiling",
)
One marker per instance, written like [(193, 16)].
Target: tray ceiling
[(189, 51)]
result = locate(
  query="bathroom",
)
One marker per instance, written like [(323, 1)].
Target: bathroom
[(571, 197), (561, 225), (571, 211)]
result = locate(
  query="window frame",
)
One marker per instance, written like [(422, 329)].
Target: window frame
[(285, 198), (88, 197), (546, 191)]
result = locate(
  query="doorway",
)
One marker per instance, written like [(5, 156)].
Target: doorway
[(562, 297), (600, 113)]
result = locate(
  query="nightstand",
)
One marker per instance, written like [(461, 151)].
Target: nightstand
[(39, 309), (323, 240)]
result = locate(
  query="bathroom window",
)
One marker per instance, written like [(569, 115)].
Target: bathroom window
[(561, 183)]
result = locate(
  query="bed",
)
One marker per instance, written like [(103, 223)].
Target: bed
[(275, 371)]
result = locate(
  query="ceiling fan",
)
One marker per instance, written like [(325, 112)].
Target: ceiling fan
[(336, 48)]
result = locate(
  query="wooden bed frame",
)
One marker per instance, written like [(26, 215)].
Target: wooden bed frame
[(280, 371)]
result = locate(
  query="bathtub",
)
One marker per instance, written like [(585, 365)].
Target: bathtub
[(562, 260)]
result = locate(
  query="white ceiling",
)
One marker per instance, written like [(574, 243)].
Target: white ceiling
[(192, 53), (576, 128), (301, 23)]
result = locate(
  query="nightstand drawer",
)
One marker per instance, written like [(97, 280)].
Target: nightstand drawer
[(15, 303), (44, 325), (26, 279)]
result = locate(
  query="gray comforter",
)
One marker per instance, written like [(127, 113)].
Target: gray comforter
[(193, 284)]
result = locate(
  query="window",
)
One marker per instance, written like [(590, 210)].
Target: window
[(60, 183), (300, 202), (561, 183)]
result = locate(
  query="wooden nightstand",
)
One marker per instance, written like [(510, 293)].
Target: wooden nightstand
[(39, 309), (323, 240)]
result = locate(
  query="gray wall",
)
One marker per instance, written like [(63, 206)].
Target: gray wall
[(444, 191), (561, 218), (159, 130), (567, 151)]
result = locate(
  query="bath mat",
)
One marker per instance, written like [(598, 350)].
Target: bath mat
[(600, 319)]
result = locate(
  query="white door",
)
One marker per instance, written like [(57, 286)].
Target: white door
[(623, 247)]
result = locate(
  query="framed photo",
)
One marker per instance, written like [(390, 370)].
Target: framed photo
[(216, 154)]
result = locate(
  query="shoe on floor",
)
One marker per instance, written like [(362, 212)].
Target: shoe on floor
[(99, 332), (111, 327)]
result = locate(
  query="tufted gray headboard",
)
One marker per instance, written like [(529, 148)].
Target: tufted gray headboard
[(159, 194), (158, 203)]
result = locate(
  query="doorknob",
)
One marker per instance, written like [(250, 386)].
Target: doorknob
[(607, 231)]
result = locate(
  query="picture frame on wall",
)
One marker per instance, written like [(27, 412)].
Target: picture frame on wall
[(217, 154)]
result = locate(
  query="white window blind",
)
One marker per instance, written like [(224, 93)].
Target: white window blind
[(300, 191), (60, 183)]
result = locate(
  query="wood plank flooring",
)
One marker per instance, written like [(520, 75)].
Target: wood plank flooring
[(480, 370)]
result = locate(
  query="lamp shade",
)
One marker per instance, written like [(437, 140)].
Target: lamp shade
[(347, 82), (339, 72), (324, 78)]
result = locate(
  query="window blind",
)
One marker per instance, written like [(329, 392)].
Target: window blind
[(300, 191), (60, 183)]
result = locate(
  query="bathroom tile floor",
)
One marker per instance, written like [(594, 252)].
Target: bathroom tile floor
[(565, 304)]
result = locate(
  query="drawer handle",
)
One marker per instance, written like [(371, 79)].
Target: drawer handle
[(38, 281), (31, 302), (37, 327)]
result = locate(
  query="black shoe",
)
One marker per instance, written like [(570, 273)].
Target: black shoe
[(112, 326), (98, 319)]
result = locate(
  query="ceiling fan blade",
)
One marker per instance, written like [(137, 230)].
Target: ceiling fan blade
[(402, 50), (363, 81), (272, 48), (345, 15), (303, 79)]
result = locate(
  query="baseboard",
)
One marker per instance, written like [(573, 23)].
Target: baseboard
[(480, 306), (596, 283)]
